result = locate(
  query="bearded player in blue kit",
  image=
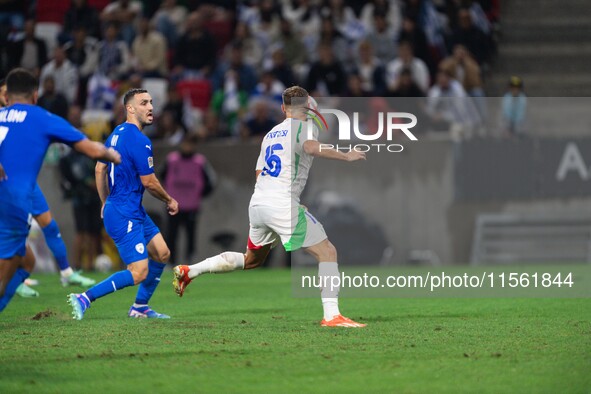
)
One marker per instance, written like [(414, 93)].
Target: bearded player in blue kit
[(139, 242), (26, 131)]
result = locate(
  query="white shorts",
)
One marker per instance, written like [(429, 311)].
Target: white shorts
[(296, 228)]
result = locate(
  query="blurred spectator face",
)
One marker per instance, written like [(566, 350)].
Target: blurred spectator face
[(135, 81), (241, 31), (111, 33), (168, 4), (30, 29), (380, 23), (173, 94), (194, 22), (49, 85), (167, 122), (464, 19), (326, 27), (365, 52), (408, 25), (236, 57), (278, 58), (325, 54), (405, 80), (187, 147), (443, 79), (75, 116), (460, 53), (144, 26), (285, 28), (118, 112), (79, 3), (260, 111), (59, 55), (354, 84), (336, 4), (405, 52), (79, 36)]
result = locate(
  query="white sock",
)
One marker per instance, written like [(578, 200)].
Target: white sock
[(66, 273), (224, 262), (329, 290), (139, 305)]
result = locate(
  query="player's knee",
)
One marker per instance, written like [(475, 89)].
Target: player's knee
[(330, 252), (164, 255), (139, 274), (251, 261)]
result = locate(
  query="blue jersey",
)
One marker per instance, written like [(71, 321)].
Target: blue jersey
[(25, 134), (125, 185)]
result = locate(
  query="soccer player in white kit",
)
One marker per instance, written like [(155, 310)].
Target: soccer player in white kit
[(275, 212)]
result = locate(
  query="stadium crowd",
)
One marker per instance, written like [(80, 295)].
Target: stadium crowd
[(216, 69)]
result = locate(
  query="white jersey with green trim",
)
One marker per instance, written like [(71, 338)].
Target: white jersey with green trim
[(284, 164)]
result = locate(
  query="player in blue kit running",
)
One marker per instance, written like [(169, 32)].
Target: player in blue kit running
[(51, 232), (138, 240), (25, 134)]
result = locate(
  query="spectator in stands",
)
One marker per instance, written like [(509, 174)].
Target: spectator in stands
[(252, 49), (412, 33), (195, 53), (12, 15), (82, 51), (28, 52), (79, 182), (189, 178), (471, 37), (329, 35), (114, 58), (175, 105), (81, 14), (124, 13), (169, 129), (230, 101), (370, 70), (406, 86), (259, 122), (266, 24), (64, 73), (149, 51), (406, 59), (514, 108), (355, 86), (52, 100), (390, 9), (210, 127), (281, 69), (344, 19), (382, 38), (170, 20), (269, 88), (292, 45), (326, 76), (246, 74), (465, 70), (448, 103), (304, 21)]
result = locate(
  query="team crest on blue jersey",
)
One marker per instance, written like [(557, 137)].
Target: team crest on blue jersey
[(151, 161), (139, 248)]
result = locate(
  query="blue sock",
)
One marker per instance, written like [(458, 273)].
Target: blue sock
[(117, 281), (54, 240), (148, 286), (19, 277)]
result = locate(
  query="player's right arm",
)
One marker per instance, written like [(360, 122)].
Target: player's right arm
[(100, 171), (314, 148)]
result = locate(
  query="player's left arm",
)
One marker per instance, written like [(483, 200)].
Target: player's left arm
[(153, 185)]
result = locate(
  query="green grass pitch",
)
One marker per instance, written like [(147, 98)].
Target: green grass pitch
[(244, 332)]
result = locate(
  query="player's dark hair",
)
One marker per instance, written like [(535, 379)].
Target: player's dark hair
[(21, 81), (131, 93), (294, 92)]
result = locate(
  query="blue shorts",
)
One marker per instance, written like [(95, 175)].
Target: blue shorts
[(131, 236), (14, 229), (39, 203)]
